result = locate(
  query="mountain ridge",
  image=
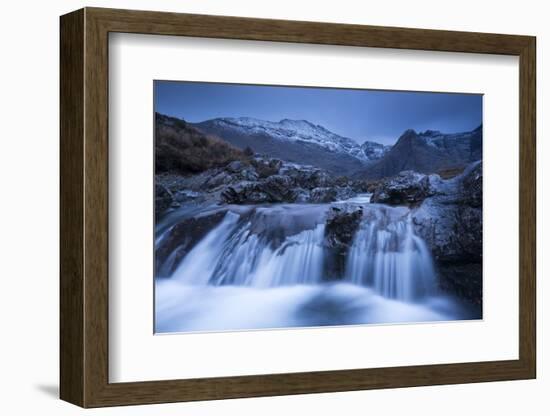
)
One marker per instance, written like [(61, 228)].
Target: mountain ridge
[(427, 152), (298, 141), (306, 143)]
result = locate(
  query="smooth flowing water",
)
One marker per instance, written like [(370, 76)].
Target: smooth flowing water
[(263, 267)]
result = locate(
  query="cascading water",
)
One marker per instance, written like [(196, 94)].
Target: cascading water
[(232, 255), (387, 255), (263, 267)]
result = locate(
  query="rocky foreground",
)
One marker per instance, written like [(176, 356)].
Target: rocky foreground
[(446, 213), (258, 181)]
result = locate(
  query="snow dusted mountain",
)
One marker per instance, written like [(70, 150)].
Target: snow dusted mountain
[(427, 152), (298, 141), (373, 150)]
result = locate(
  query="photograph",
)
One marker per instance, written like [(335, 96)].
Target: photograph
[(284, 207)]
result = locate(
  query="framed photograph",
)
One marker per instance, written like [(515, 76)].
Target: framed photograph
[(255, 207)]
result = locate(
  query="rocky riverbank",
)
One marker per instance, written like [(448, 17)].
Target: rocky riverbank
[(446, 213), (258, 181)]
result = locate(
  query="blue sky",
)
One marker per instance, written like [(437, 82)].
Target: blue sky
[(358, 114)]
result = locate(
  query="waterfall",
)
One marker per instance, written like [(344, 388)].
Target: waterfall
[(232, 254), (199, 264), (252, 266), (387, 255), (282, 246)]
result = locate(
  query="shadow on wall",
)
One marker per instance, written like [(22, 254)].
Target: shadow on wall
[(51, 390)]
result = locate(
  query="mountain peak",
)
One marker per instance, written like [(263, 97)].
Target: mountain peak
[(428, 152), (239, 120), (407, 136), (288, 130), (290, 121), (409, 132), (431, 133)]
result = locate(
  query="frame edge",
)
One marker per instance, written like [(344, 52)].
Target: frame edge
[(72, 298), (528, 208), (84, 281)]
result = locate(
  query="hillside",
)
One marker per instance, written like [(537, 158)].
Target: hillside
[(181, 148), (297, 141), (427, 152)]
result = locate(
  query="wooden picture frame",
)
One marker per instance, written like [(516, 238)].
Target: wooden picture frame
[(84, 207)]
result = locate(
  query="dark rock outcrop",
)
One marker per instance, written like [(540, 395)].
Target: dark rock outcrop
[(181, 238), (322, 195), (163, 199), (451, 223), (340, 227), (307, 177), (274, 189), (407, 188), (258, 181)]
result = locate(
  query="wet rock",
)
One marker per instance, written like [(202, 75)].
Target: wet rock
[(341, 224), (236, 166), (267, 167), (186, 195), (407, 188), (244, 193), (163, 200), (278, 187), (451, 223), (306, 176), (344, 192), (256, 181), (181, 238), (472, 187), (240, 170), (462, 279), (220, 178), (323, 195), (301, 195)]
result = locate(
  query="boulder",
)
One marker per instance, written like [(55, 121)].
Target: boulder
[(242, 171), (181, 238), (341, 224), (267, 167), (344, 192), (235, 167), (257, 181), (463, 280), (451, 223), (274, 189), (163, 199), (301, 195), (220, 178), (306, 176), (186, 195), (323, 195), (472, 186), (406, 188), (278, 187), (244, 193)]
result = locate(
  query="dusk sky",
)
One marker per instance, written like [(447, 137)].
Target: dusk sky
[(380, 116)]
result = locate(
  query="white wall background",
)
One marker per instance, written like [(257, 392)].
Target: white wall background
[(29, 161)]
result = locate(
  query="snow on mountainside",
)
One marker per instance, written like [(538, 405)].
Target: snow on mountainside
[(373, 150), (427, 152), (440, 140), (304, 131)]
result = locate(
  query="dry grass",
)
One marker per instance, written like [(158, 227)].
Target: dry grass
[(450, 172), (180, 148)]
